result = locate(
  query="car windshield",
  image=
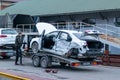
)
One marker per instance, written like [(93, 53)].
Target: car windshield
[(9, 31)]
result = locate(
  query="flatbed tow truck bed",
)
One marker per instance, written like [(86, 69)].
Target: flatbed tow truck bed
[(45, 58)]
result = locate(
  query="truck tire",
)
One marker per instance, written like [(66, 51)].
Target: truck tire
[(45, 62), (36, 61), (34, 47)]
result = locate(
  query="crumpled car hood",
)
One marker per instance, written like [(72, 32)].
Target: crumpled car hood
[(41, 26)]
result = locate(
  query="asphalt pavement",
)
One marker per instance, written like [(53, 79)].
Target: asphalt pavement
[(64, 73)]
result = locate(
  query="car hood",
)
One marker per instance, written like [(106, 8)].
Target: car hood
[(41, 26)]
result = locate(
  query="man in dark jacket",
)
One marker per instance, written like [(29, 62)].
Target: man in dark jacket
[(18, 44)]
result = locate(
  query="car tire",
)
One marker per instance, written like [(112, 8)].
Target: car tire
[(45, 62), (36, 61), (34, 47)]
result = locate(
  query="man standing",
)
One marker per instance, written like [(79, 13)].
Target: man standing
[(18, 44)]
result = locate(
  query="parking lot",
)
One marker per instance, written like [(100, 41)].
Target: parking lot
[(64, 73)]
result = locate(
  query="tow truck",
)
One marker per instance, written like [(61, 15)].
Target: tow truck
[(46, 56)]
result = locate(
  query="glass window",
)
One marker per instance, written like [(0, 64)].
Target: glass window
[(9, 31), (52, 34), (64, 36)]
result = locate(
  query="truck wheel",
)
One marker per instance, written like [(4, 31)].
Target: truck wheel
[(36, 61), (35, 47), (45, 62)]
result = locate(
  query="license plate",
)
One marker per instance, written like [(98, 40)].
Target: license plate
[(86, 63)]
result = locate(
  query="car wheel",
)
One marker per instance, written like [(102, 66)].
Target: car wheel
[(45, 62), (36, 61), (34, 47)]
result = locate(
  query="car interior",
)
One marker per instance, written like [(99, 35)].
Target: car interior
[(48, 41)]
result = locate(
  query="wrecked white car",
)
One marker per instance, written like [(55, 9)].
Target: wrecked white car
[(59, 41)]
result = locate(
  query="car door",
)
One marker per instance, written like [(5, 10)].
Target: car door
[(49, 39), (63, 42), (44, 29)]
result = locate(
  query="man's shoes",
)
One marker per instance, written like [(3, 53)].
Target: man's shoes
[(16, 64)]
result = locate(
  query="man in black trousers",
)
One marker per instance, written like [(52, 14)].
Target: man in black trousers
[(18, 44)]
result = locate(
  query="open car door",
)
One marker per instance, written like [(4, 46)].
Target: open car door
[(42, 39), (44, 28)]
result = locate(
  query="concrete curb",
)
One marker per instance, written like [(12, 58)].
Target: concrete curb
[(20, 76)]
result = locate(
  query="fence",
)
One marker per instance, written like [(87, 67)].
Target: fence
[(108, 30), (25, 27), (79, 26)]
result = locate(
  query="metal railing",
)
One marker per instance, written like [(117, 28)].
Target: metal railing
[(111, 34), (79, 26), (108, 30), (25, 27)]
